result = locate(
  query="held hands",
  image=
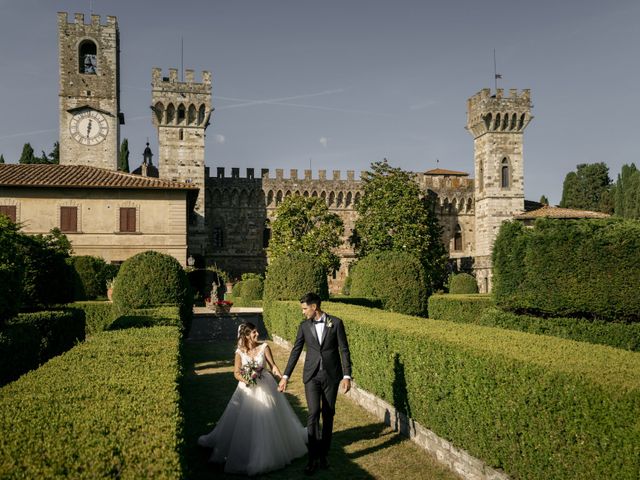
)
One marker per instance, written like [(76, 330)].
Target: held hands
[(345, 385), (282, 386)]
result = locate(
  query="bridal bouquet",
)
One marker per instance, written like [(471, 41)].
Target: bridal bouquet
[(251, 372)]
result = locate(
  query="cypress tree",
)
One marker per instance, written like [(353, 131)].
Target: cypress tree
[(123, 157)]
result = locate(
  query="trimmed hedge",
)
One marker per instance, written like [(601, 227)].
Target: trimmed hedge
[(108, 408), (290, 277), (459, 308), (149, 279), (462, 283), (98, 315), (30, 339), (577, 268), (244, 302), (12, 269), (480, 310), (537, 407), (252, 288), (397, 278)]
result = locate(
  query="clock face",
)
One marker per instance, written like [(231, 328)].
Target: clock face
[(88, 127)]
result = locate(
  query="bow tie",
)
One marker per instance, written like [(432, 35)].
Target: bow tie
[(317, 321)]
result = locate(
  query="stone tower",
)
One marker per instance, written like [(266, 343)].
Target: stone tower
[(497, 124), (90, 118), (181, 113)]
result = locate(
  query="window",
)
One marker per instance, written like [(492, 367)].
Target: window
[(69, 219), (217, 237), (266, 237), (457, 239), (128, 219), (9, 211), (87, 58), (181, 135), (504, 173)]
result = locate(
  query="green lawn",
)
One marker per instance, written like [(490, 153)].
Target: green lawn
[(362, 446)]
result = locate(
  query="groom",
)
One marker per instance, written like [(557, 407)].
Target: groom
[(327, 367)]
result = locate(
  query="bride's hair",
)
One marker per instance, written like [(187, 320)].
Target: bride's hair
[(243, 335)]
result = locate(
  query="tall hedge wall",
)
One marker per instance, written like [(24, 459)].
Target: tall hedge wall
[(583, 268), (538, 407), (459, 308), (108, 408)]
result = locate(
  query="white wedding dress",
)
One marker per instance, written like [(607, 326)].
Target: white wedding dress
[(258, 431)]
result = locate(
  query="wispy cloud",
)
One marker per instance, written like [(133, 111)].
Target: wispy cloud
[(24, 134), (219, 139), (324, 141)]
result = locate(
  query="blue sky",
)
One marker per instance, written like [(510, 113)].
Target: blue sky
[(338, 84)]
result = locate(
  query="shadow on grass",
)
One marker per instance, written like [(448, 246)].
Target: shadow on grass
[(207, 386)]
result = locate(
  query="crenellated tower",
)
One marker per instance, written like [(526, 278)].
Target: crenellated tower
[(181, 113), (497, 124), (89, 93)]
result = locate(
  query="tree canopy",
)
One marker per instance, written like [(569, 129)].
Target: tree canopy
[(587, 188), (626, 192), (305, 224), (28, 156), (123, 156), (393, 214)]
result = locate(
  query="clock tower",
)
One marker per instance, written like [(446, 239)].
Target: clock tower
[(90, 118)]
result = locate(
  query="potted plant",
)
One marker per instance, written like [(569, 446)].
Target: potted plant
[(223, 306)]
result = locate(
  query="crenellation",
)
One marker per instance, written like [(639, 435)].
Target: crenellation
[(336, 174), (322, 175), (350, 175), (173, 75), (95, 20), (264, 173), (293, 173), (235, 172), (188, 75), (307, 174), (279, 173), (79, 18)]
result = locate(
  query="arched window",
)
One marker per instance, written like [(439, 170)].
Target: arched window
[(348, 199), (270, 197), (505, 174), (339, 201), (201, 114), (266, 234), (332, 198), (191, 115), (87, 58), (279, 197), (217, 237), (158, 109), (457, 239), (182, 113), (171, 114)]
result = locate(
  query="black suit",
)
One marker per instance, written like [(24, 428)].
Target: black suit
[(327, 362)]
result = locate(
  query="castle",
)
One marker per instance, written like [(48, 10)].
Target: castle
[(229, 222)]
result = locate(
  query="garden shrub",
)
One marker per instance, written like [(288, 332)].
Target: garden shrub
[(108, 408), (30, 339), (91, 276), (151, 279), (98, 315), (459, 308), (236, 289), (48, 278), (534, 406), (252, 288), (462, 283), (397, 278), (578, 268), (11, 269), (291, 276)]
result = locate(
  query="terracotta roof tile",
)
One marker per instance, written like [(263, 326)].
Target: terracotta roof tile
[(80, 176), (442, 171), (557, 212)]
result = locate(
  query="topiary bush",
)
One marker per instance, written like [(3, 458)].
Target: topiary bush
[(397, 278), (252, 289), (150, 279), (462, 283), (291, 276), (91, 277)]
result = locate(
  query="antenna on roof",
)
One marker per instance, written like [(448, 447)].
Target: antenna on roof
[(181, 59)]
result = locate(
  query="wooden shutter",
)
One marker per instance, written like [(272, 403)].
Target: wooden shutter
[(128, 219), (9, 211), (69, 219)]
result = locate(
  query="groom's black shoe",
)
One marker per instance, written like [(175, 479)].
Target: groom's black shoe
[(323, 464), (311, 467)]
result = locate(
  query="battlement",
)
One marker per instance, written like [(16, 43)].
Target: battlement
[(78, 19), (497, 113), (158, 80), (265, 174)]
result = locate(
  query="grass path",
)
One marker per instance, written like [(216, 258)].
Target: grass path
[(362, 447)]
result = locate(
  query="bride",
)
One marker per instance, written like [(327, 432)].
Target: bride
[(258, 431)]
